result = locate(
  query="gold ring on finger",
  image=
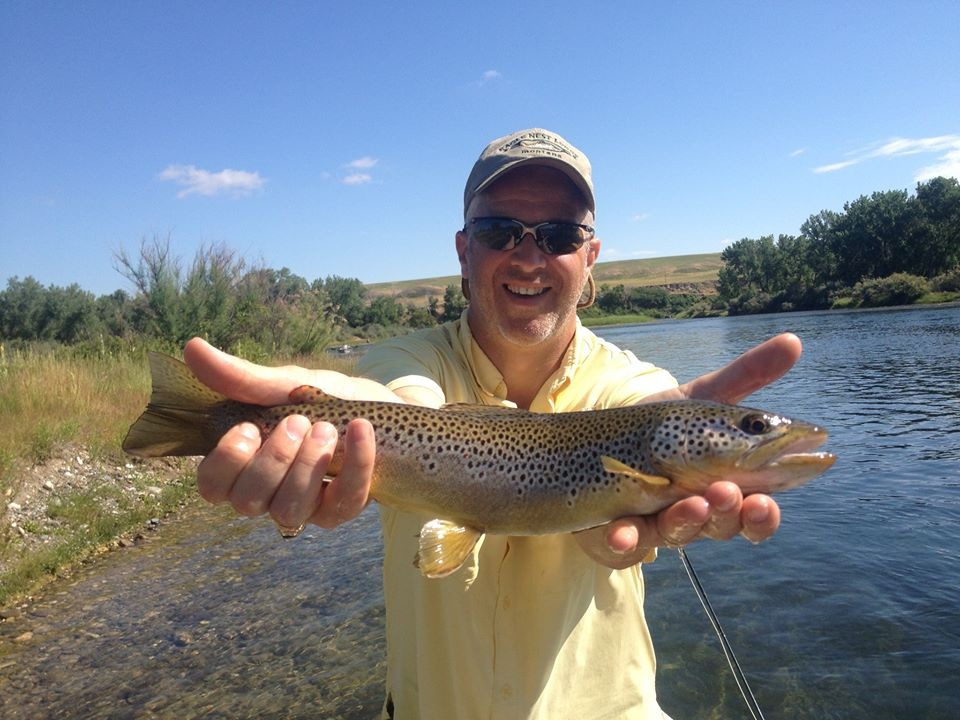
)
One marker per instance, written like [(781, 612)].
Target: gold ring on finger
[(290, 531)]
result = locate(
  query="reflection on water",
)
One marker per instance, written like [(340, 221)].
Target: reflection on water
[(851, 611)]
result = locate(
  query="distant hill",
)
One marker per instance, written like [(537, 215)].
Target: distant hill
[(675, 272)]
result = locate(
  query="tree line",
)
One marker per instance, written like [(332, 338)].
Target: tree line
[(256, 311), (888, 248)]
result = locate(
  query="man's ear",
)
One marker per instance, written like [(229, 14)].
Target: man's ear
[(593, 252), (462, 252)]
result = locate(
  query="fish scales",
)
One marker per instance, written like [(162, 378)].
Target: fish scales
[(498, 470)]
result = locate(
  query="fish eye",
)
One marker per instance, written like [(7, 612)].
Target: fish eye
[(755, 424)]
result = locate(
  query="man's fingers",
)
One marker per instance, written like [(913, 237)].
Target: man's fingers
[(760, 516), (725, 499), (218, 370), (259, 480), (299, 494), (218, 471), (680, 523), (756, 368), (347, 494)]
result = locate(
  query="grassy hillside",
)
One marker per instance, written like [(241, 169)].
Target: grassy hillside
[(678, 269)]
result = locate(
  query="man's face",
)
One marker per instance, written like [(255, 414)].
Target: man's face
[(524, 296)]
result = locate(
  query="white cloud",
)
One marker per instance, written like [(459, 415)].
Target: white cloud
[(639, 217), (203, 182), (357, 171), (948, 164), (798, 152), (357, 178), (833, 167), (364, 163), (486, 78)]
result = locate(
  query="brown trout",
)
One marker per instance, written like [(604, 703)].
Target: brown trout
[(481, 469)]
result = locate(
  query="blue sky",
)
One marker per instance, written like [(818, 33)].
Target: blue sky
[(334, 138)]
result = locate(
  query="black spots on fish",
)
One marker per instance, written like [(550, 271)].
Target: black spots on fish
[(428, 462)]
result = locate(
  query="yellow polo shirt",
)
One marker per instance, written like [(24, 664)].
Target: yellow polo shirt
[(529, 627)]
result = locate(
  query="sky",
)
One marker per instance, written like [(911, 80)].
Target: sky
[(334, 138)]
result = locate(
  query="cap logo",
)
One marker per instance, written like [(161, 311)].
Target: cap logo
[(537, 144)]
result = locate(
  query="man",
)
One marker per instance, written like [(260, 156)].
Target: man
[(532, 627)]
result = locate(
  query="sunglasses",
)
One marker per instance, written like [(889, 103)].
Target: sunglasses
[(553, 238)]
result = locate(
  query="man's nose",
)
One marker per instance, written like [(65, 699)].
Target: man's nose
[(527, 251)]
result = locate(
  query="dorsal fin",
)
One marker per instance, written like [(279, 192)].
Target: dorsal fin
[(308, 394)]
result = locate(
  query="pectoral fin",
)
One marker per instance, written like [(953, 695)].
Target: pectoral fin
[(444, 546), (615, 466)]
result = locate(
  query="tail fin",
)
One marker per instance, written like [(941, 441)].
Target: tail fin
[(178, 420)]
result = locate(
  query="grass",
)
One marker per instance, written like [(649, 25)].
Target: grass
[(53, 397), (57, 403), (936, 297), (605, 320)]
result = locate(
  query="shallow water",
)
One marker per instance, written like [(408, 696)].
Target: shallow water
[(214, 616), (851, 611)]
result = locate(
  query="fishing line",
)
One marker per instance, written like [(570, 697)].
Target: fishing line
[(738, 675)]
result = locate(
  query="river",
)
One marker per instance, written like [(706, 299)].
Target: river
[(851, 611)]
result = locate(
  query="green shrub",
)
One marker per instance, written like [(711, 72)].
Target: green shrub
[(896, 289), (948, 282)]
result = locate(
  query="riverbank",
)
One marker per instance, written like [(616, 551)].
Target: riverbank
[(78, 504)]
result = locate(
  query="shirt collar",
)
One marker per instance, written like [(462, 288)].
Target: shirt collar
[(491, 382)]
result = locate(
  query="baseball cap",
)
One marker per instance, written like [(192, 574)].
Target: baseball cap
[(535, 146)]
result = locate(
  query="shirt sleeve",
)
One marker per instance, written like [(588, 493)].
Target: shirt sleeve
[(403, 362)]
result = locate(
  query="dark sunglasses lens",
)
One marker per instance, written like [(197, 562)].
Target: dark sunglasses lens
[(561, 238), (495, 234)]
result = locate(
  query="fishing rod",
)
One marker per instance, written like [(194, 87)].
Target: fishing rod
[(748, 697)]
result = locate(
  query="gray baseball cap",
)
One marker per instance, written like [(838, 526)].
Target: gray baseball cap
[(529, 147)]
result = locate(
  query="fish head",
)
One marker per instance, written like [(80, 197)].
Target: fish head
[(696, 444)]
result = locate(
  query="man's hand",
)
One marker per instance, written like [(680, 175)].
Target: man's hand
[(284, 474), (721, 512)]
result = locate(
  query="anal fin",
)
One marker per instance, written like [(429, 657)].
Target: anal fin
[(444, 546)]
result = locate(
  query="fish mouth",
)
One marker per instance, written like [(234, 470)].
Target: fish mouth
[(791, 451)]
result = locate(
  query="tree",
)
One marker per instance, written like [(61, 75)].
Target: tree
[(207, 300), (21, 309), (819, 255), (870, 238), (383, 311), (346, 299), (612, 300), (454, 303), (935, 240), (69, 314), (156, 275)]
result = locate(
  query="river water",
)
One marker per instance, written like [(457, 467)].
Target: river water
[(851, 611)]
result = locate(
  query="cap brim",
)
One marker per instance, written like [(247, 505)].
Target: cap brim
[(563, 167)]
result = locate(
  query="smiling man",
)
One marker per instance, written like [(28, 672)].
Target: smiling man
[(530, 627)]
